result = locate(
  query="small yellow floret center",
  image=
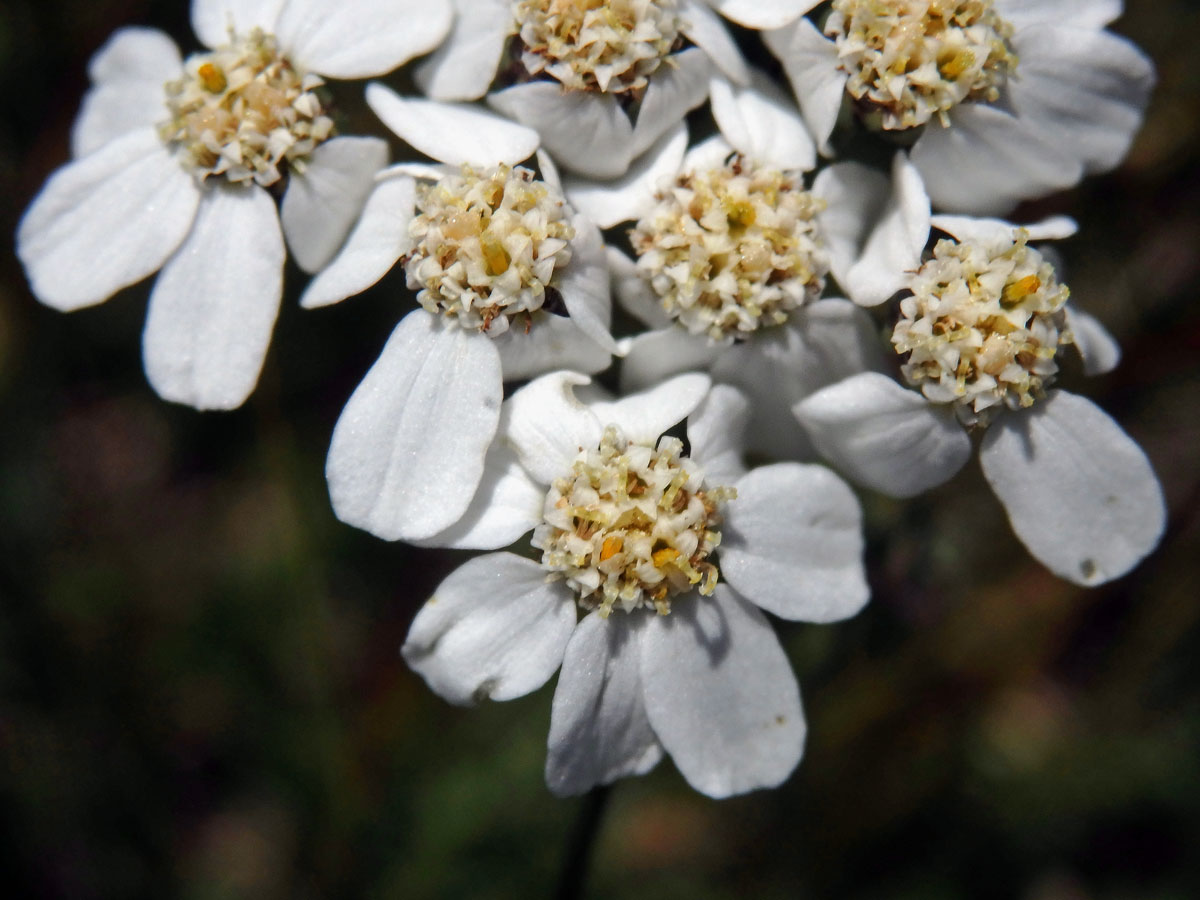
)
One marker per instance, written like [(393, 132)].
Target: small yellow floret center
[(488, 246), (733, 249), (594, 45), (244, 113), (632, 525), (912, 60), (982, 327)]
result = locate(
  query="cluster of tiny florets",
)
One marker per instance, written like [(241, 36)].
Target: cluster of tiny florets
[(596, 45), (244, 112), (912, 60), (488, 246), (982, 327), (632, 525), (732, 249)]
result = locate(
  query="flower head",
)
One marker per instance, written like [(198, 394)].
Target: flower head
[(667, 556), (172, 161), (980, 328), (1006, 100)]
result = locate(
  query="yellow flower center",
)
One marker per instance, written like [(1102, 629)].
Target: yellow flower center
[(244, 113), (593, 45), (912, 60), (732, 249), (632, 525), (982, 327), (489, 245)]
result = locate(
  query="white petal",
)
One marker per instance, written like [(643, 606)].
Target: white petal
[(585, 284), (106, 221), (711, 153), (988, 160), (495, 628), (1080, 13), (884, 436), (608, 203), (1100, 351), (720, 694), (971, 228), (506, 505), (875, 239), (644, 416), (673, 91), (359, 40), (709, 33), (214, 305), (407, 452), (548, 170), (584, 132), (763, 13), (548, 426), (634, 293), (464, 65), (810, 62), (762, 122), (379, 239), (792, 543), (215, 20), (553, 342), (654, 355), (323, 201), (716, 431), (453, 133), (1085, 90), (1080, 494), (599, 731), (823, 343), (128, 74)]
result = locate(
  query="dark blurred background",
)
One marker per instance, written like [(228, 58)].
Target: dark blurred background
[(200, 689)]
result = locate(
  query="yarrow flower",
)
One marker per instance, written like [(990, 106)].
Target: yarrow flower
[(600, 82), (651, 564), (511, 282), (178, 162), (1012, 99), (982, 324)]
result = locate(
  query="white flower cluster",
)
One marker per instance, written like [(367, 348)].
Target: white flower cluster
[(631, 547)]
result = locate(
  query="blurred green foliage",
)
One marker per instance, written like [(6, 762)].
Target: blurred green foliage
[(200, 689)]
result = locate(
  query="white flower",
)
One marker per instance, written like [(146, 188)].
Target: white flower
[(667, 557), (980, 330), (733, 253), (174, 159), (589, 63), (491, 251), (1016, 99)]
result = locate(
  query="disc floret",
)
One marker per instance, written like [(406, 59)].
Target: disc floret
[(488, 246), (983, 326), (632, 525), (733, 249), (912, 60), (244, 112), (596, 45)]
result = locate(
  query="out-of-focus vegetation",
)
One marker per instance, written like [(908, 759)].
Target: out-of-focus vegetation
[(200, 690)]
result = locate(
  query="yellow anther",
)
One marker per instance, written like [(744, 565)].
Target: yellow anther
[(664, 556), (494, 255), (611, 547), (213, 78), (1017, 291)]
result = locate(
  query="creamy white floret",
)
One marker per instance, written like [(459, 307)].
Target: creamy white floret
[(909, 61), (244, 112), (632, 525), (596, 45), (733, 249), (982, 327), (488, 246)]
